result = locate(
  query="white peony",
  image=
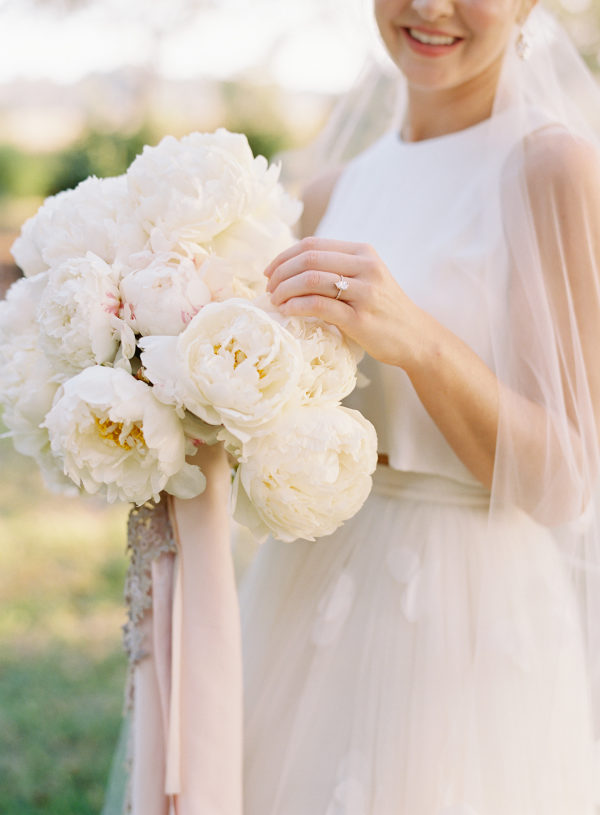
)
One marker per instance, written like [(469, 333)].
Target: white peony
[(26, 394), (93, 217), (114, 438), (78, 315), (26, 378), (330, 360), (26, 387), (241, 253), (233, 365), (308, 475), (18, 310), (30, 438), (189, 191), (164, 295), (229, 278)]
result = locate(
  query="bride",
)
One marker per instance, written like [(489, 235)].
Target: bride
[(440, 653), (432, 657)]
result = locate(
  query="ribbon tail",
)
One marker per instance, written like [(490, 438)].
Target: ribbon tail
[(147, 794), (204, 759), (148, 634), (173, 771)]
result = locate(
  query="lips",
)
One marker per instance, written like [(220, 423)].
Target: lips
[(431, 43)]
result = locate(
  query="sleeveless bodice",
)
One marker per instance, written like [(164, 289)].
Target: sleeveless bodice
[(419, 205)]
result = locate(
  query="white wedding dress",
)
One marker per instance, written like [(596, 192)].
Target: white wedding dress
[(362, 692)]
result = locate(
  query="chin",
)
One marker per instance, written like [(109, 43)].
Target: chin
[(427, 77)]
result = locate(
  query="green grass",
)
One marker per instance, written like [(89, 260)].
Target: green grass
[(62, 670), (59, 724)]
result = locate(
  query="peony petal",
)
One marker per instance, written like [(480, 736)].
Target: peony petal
[(187, 483), (158, 358), (244, 511)]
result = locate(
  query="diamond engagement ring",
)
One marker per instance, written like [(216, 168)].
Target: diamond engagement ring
[(341, 285)]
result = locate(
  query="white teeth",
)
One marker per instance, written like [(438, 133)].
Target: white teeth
[(431, 39)]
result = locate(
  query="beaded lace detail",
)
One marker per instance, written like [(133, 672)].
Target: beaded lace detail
[(149, 535)]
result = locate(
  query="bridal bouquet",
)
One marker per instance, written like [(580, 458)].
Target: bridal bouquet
[(142, 329)]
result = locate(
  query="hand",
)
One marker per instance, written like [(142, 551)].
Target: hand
[(373, 310)]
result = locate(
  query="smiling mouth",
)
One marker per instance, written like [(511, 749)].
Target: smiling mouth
[(437, 40)]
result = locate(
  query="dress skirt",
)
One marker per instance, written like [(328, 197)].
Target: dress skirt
[(425, 659)]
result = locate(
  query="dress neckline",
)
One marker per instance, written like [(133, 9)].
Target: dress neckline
[(445, 138)]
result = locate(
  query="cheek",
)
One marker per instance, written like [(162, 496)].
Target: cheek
[(490, 16), (385, 10), (384, 13)]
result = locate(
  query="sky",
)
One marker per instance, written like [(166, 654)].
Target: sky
[(299, 43)]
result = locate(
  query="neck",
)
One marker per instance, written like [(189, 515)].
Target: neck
[(432, 113)]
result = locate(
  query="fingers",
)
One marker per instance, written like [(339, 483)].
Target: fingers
[(328, 309), (312, 282), (315, 268), (315, 248), (302, 280)]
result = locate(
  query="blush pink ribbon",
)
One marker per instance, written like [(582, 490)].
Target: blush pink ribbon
[(187, 725)]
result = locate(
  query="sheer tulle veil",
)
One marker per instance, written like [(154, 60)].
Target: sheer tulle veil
[(541, 218), (543, 285)]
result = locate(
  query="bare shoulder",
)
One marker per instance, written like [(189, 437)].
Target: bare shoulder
[(559, 173), (555, 159), (316, 197)]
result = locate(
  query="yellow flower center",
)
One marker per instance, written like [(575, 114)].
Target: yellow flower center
[(115, 433), (238, 355)]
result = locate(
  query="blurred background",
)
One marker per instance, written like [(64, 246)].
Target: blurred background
[(84, 84)]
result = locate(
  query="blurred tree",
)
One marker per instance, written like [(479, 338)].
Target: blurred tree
[(98, 153), (264, 143), (22, 174)]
